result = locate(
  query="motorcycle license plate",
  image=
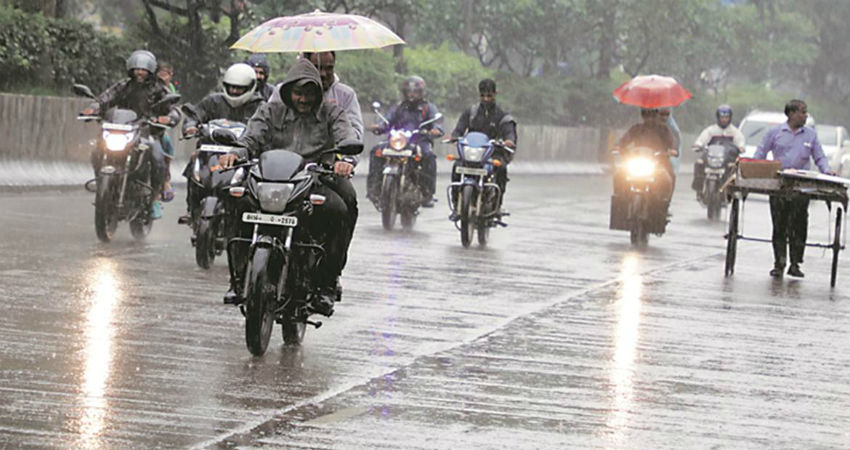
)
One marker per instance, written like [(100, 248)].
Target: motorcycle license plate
[(214, 148), (403, 153), (270, 219), (471, 171)]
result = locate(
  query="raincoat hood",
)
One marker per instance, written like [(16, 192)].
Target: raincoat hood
[(302, 70)]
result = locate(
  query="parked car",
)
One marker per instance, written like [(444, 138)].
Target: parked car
[(836, 145), (755, 125)]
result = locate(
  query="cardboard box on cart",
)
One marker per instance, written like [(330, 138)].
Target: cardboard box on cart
[(758, 168)]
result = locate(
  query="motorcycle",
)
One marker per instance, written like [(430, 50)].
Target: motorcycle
[(282, 254), (635, 210), (122, 186), (719, 157), (212, 218), (476, 199), (400, 191)]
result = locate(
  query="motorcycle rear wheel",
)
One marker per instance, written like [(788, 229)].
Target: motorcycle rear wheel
[(408, 220), (293, 332), (140, 227), (389, 198), (467, 222), (105, 216), (259, 302)]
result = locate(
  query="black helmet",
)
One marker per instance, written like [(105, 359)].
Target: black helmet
[(723, 111), (258, 60), (141, 59), (413, 84)]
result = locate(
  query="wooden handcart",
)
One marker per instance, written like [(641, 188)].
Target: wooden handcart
[(788, 183)]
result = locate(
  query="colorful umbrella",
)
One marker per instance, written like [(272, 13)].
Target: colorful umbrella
[(652, 91), (317, 32)]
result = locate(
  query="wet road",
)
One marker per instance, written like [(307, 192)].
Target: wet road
[(557, 335)]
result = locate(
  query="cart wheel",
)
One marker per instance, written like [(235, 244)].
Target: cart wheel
[(732, 237), (836, 246)]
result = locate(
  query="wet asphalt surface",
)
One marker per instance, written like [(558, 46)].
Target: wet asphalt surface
[(557, 335)]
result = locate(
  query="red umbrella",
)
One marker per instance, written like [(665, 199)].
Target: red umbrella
[(652, 91)]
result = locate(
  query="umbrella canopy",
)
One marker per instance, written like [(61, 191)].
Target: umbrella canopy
[(317, 32), (652, 91)]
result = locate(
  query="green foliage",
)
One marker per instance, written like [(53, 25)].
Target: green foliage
[(48, 55), (371, 73), (451, 76)]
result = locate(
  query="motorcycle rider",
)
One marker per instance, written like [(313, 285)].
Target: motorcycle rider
[(652, 132), (237, 101), (488, 118), (408, 114), (722, 130), (139, 92), (261, 67), (305, 124)]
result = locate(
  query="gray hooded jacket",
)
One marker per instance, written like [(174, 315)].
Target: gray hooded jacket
[(278, 125)]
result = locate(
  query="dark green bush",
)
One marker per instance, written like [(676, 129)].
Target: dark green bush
[(41, 54)]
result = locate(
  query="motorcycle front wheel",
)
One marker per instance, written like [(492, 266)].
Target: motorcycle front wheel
[(205, 244), (259, 303), (638, 235), (105, 216), (389, 197), (467, 222), (713, 200)]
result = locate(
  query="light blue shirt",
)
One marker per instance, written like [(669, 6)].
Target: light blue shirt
[(793, 148)]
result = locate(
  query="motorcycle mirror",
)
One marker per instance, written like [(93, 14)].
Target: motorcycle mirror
[(83, 91), (167, 100), (189, 109), (376, 105), (349, 147), (437, 117), (224, 137)]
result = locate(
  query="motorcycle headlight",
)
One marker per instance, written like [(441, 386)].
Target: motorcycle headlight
[(196, 169), (116, 141), (398, 141), (640, 167), (473, 154), (274, 196)]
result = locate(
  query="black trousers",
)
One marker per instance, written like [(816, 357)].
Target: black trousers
[(790, 228), (344, 188)]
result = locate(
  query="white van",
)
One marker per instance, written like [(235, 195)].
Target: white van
[(756, 124)]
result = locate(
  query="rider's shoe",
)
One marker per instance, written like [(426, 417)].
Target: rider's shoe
[(454, 217), (776, 272), (231, 297), (794, 271), (156, 210), (429, 202), (185, 219), (167, 192), (323, 301)]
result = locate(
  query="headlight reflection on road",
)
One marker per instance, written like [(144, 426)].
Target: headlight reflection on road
[(103, 294), (625, 347)]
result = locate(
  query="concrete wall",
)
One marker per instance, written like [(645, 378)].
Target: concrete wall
[(42, 140)]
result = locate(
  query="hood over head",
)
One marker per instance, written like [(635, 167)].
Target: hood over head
[(301, 73)]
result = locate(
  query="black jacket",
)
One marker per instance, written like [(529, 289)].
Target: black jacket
[(215, 106), (139, 97), (487, 119)]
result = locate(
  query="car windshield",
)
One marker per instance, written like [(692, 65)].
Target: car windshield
[(827, 134), (754, 131)]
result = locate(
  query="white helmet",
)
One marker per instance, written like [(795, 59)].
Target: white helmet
[(239, 75)]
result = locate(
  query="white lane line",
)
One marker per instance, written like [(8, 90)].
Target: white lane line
[(272, 414)]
